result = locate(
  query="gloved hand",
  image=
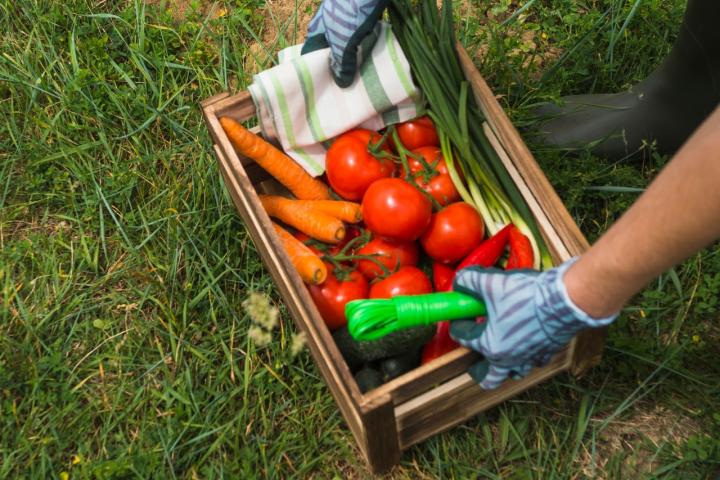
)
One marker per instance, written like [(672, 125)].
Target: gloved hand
[(348, 27), (530, 318)]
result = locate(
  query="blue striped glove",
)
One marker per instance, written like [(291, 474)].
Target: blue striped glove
[(350, 29), (530, 318)]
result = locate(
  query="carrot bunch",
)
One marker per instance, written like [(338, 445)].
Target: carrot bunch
[(312, 213), (318, 219)]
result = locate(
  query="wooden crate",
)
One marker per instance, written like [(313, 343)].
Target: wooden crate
[(436, 396)]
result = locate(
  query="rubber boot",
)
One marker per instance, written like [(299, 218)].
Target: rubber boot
[(663, 110)]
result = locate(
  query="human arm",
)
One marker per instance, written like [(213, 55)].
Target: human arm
[(675, 217), (533, 315)]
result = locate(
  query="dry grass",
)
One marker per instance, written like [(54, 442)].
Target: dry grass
[(285, 24), (646, 430), (181, 8), (288, 18)]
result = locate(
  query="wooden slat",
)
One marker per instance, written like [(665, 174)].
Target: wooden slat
[(587, 350), (209, 114), (275, 257), (270, 247), (425, 376), (260, 227), (239, 107), (459, 399), (557, 248), (382, 449), (372, 424), (301, 306), (214, 99)]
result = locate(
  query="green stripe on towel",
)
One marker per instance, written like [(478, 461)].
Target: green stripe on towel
[(287, 124), (269, 107), (392, 52), (308, 89), (373, 87)]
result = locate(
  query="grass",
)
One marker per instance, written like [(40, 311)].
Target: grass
[(123, 266)]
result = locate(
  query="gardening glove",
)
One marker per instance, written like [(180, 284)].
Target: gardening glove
[(350, 29), (530, 317)]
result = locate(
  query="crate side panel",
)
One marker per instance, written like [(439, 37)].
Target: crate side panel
[(425, 377), (460, 399)]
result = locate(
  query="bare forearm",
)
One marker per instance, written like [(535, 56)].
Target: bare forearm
[(678, 215)]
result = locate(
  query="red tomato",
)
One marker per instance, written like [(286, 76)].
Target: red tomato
[(418, 133), (406, 281), (453, 232), (350, 166), (438, 182), (395, 209), (391, 253), (331, 296)]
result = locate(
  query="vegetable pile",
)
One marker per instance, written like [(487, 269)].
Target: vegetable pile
[(408, 236), (433, 198)]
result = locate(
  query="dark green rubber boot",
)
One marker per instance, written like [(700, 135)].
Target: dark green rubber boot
[(663, 110)]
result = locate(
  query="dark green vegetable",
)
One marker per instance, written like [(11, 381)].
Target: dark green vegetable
[(368, 378), (395, 366), (395, 343)]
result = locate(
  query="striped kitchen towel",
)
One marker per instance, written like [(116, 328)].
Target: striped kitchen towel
[(299, 104)]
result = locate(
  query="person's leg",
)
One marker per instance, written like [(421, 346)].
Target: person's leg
[(665, 108)]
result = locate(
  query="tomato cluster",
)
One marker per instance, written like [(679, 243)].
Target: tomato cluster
[(411, 213), (413, 222)]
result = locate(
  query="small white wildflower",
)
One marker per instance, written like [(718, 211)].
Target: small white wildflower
[(297, 343), (259, 336), (264, 316), (260, 310), (270, 318)]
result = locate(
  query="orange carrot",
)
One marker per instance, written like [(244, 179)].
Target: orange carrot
[(346, 211), (279, 165), (311, 269), (311, 222)]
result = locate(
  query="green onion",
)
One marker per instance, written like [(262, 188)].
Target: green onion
[(427, 37)]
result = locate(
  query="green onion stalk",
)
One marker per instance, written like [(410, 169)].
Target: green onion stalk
[(427, 38)]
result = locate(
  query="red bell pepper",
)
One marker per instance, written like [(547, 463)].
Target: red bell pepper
[(521, 252), (439, 345), (442, 276), (488, 252)]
